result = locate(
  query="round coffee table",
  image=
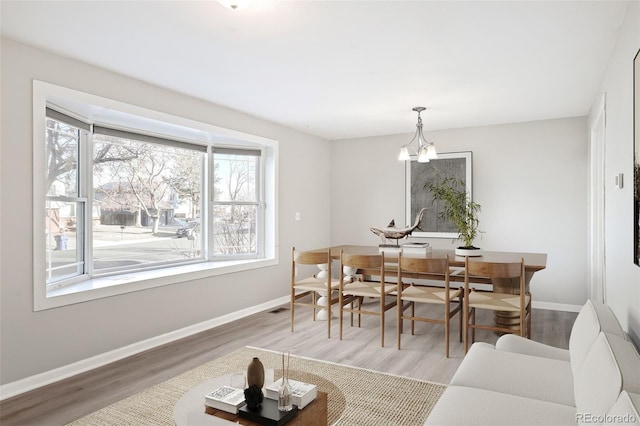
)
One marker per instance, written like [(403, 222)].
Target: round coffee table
[(189, 410)]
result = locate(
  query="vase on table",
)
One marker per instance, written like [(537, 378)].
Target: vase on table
[(255, 373)]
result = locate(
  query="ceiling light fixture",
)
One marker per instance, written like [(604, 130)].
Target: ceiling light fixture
[(235, 4), (418, 147)]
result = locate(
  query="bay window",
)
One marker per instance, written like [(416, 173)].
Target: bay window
[(127, 206)]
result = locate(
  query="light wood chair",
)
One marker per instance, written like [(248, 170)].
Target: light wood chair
[(410, 294), (518, 302), (353, 293), (309, 287)]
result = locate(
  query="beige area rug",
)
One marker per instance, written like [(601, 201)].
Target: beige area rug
[(355, 396)]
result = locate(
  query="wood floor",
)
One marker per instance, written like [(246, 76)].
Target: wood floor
[(421, 356)]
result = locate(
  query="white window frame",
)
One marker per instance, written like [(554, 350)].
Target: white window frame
[(93, 108)]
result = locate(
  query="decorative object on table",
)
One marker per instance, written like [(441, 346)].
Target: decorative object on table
[(459, 209), (225, 398), (253, 396), (284, 391), (458, 164), (255, 373), (418, 148), (302, 394), (391, 232), (255, 380), (416, 249), (238, 381), (268, 414)]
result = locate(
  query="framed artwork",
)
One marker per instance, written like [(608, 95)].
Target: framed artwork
[(457, 164), (636, 159)]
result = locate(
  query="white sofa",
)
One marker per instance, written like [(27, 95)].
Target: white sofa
[(522, 382)]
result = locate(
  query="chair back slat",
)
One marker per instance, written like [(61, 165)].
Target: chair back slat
[(362, 261), (426, 265), (311, 258), (495, 269)]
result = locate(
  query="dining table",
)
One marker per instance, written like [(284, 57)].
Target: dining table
[(533, 262)]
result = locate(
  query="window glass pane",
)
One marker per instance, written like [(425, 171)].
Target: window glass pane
[(64, 247), (62, 158), (234, 229), (147, 203), (235, 178)]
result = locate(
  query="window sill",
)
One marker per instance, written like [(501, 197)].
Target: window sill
[(135, 281)]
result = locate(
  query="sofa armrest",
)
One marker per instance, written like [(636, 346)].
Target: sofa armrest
[(521, 345)]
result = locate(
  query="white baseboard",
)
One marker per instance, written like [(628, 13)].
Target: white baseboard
[(556, 306), (42, 379)]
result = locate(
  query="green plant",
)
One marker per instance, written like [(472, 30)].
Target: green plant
[(458, 207)]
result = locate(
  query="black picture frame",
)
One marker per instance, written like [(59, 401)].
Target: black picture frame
[(457, 164), (636, 159)]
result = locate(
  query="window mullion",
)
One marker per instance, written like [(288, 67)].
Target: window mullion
[(87, 191)]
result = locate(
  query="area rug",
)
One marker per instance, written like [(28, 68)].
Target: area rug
[(355, 396)]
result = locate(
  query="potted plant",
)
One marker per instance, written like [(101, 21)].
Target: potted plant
[(460, 210)]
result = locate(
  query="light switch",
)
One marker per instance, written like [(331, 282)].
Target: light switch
[(297, 216), (619, 180)]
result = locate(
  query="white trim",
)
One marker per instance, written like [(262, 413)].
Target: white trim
[(556, 306), (596, 196), (42, 379), (97, 108)]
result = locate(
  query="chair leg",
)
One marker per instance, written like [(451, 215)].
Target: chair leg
[(313, 300), (292, 305), (399, 324), (382, 325), (465, 314), (460, 315), (351, 304), (340, 320), (446, 335), (473, 322), (329, 316), (413, 315), (529, 320)]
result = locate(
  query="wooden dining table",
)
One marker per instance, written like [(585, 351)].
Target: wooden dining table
[(533, 262)]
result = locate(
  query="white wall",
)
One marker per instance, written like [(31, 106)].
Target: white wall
[(622, 275), (530, 178), (35, 342)]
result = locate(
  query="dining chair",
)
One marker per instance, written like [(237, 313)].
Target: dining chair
[(408, 294), (303, 289), (353, 293), (519, 301)]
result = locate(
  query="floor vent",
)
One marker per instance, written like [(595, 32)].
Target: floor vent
[(277, 311)]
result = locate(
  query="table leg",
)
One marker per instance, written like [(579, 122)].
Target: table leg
[(509, 286)]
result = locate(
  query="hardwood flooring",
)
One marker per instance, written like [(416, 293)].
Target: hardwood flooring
[(421, 356)]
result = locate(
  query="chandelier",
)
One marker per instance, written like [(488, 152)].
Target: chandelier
[(418, 147)]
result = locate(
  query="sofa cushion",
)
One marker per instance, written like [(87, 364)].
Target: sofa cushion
[(469, 406), (593, 318), (540, 378), (521, 345), (612, 365), (626, 410)]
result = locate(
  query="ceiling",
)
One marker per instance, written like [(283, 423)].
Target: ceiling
[(345, 69)]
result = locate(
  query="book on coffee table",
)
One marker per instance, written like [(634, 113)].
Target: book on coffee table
[(268, 414), (225, 398), (302, 393)]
